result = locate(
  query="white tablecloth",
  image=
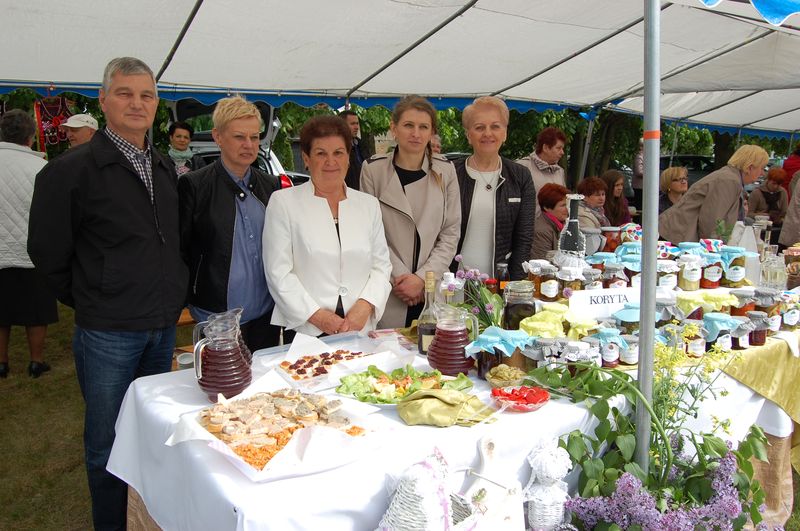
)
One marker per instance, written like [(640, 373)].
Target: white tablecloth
[(189, 486)]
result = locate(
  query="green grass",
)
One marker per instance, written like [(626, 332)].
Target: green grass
[(42, 476)]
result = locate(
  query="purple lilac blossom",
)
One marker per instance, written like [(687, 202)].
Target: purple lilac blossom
[(470, 275), (460, 274), (458, 258), (489, 307)]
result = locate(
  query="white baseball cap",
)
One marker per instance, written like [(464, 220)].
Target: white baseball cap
[(81, 120)]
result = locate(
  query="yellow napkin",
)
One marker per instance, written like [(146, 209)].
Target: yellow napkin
[(550, 328), (443, 407), (715, 299), (689, 301)]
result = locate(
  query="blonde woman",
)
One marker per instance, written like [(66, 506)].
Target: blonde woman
[(674, 183), (419, 198), (715, 201)]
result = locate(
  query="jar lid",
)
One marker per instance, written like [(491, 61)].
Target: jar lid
[(448, 276), (521, 287), (604, 255), (743, 293), (591, 341), (690, 259), (731, 249), (590, 273), (549, 269), (630, 338), (684, 246), (610, 229), (545, 342), (614, 267), (716, 316), (579, 345), (713, 257), (756, 314), (667, 266), (490, 281)]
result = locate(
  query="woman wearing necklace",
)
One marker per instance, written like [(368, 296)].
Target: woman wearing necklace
[(497, 194), (325, 254), (180, 134), (418, 193)]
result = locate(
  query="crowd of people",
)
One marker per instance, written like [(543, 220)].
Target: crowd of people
[(128, 236)]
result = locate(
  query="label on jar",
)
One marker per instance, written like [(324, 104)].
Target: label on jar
[(791, 317), (669, 280), (744, 341), (691, 273), (594, 285), (696, 347), (619, 283), (610, 352), (774, 323), (636, 280), (549, 289), (712, 273), (735, 273), (724, 342)]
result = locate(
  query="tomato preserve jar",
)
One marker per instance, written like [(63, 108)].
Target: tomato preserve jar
[(746, 302), (712, 271), (758, 336)]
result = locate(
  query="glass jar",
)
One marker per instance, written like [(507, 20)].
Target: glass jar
[(632, 267), (569, 280), (535, 275), (740, 336), (545, 350), (723, 339), (674, 335), (691, 269), (734, 274), (503, 276), (601, 259), (712, 271), (591, 279), (628, 318), (612, 236), (614, 276), (665, 309), (630, 355), (695, 343), (767, 300), (667, 273), (519, 303), (491, 285), (746, 302), (548, 286), (487, 361), (758, 336), (594, 350), (790, 318), (690, 247), (610, 355)]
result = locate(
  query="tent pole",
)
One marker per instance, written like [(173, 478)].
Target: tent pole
[(652, 143), (586, 145), (178, 40)]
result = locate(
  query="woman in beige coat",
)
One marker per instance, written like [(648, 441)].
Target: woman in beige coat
[(715, 200), (420, 202)]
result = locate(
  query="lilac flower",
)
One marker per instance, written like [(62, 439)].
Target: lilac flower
[(451, 287), (476, 310), (489, 307), (458, 258), (460, 274), (567, 292), (470, 275)]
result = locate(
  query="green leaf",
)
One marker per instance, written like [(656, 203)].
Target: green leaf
[(589, 488), (714, 446), (602, 430), (600, 409), (759, 450), (627, 445), (636, 470), (612, 459), (575, 446), (593, 468)]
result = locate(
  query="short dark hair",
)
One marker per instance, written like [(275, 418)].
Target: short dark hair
[(345, 114), (17, 127), (180, 125), (322, 126), (549, 136), (592, 185)]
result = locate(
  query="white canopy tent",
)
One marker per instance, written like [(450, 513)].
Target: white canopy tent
[(724, 67)]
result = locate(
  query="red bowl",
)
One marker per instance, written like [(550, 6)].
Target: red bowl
[(511, 405)]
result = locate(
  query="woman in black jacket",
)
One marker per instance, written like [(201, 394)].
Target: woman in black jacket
[(180, 134), (497, 194)]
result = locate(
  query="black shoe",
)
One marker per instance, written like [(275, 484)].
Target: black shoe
[(4, 370), (35, 368)]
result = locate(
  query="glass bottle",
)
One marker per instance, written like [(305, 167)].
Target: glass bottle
[(426, 323), (571, 238), (548, 288), (502, 276), (519, 303)]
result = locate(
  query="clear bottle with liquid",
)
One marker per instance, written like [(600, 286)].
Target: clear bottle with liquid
[(426, 322), (502, 275)]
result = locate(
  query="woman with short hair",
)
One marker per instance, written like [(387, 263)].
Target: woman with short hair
[(770, 199), (591, 214), (713, 205), (180, 135), (674, 182), (547, 228), (497, 194), (325, 253), (616, 206)]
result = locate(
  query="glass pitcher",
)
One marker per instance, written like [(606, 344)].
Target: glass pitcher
[(446, 351), (221, 359)]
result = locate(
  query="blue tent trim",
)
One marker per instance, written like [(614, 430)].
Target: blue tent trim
[(774, 11)]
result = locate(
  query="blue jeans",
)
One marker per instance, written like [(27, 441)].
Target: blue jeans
[(107, 362)]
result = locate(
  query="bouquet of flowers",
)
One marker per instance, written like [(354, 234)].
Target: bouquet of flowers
[(487, 306)]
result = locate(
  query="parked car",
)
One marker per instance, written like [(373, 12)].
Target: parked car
[(698, 165)]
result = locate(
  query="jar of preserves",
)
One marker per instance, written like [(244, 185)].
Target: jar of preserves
[(674, 336), (790, 316), (535, 275), (502, 275), (665, 310), (612, 236), (628, 318), (569, 279), (712, 271), (719, 333), (691, 268), (594, 350), (758, 336), (599, 260), (767, 300), (591, 279), (740, 335), (632, 265), (630, 355), (614, 276), (610, 355), (519, 303), (734, 274), (667, 273), (548, 287), (745, 302), (491, 285), (695, 248), (695, 342)]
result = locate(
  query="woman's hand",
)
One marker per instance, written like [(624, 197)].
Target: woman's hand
[(409, 288), (328, 322), (358, 315)]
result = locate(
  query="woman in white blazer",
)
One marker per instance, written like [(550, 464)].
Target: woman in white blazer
[(421, 206), (325, 253)]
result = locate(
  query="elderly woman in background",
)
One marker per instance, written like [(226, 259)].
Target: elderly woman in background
[(547, 228), (497, 194), (616, 206), (770, 199), (711, 207), (325, 253), (673, 184), (418, 193), (180, 134), (591, 214)]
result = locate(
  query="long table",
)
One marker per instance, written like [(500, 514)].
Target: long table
[(190, 486)]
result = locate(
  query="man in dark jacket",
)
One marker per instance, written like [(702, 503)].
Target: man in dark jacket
[(358, 154), (104, 230), (222, 219)]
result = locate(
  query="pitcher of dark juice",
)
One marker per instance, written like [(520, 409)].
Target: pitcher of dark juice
[(221, 358), (446, 352)]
